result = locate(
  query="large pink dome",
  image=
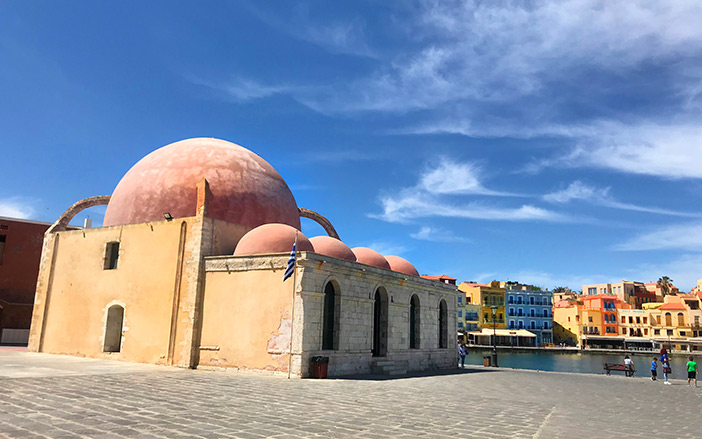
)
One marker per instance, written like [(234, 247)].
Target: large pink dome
[(367, 256), (246, 190), (401, 265), (326, 245), (272, 238)]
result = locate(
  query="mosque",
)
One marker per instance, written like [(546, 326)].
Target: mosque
[(187, 270)]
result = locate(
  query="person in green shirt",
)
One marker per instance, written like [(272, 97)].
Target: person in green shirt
[(691, 371)]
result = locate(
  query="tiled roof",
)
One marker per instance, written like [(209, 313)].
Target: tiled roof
[(673, 306), (439, 277)]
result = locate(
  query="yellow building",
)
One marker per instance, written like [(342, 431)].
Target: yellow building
[(487, 296), (566, 322)]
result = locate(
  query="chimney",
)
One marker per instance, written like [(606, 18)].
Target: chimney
[(88, 223)]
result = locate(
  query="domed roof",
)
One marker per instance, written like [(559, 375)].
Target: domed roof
[(367, 256), (272, 238), (326, 245), (245, 189), (401, 265)]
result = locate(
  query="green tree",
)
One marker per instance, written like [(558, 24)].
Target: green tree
[(664, 283)]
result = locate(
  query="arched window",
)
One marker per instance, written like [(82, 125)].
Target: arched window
[(380, 323), (113, 329), (681, 319), (668, 319), (414, 322), (532, 313), (531, 300), (443, 324), (330, 322)]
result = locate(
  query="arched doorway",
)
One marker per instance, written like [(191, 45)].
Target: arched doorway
[(113, 329), (330, 318), (380, 323), (443, 324), (414, 322)]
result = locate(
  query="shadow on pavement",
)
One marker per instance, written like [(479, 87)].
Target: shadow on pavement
[(418, 374)]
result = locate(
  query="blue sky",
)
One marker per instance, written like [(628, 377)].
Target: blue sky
[(555, 143)]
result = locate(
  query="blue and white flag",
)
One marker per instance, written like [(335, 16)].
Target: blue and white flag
[(291, 262)]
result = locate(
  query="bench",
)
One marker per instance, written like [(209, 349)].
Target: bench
[(628, 370)]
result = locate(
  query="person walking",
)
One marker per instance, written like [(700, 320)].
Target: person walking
[(691, 371), (664, 354), (654, 369), (462, 354), (666, 370)]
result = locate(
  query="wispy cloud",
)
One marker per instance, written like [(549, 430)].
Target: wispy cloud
[(17, 207), (434, 234), (578, 190), (664, 151), (411, 204), (347, 36), (241, 89), (675, 237), (457, 178), (340, 156), (434, 196)]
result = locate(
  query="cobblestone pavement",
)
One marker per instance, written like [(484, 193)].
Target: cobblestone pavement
[(71, 398)]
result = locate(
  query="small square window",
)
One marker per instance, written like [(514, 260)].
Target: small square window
[(111, 255)]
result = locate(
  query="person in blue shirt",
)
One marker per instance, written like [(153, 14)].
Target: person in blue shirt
[(462, 353), (654, 369)]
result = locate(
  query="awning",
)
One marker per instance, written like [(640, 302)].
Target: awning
[(508, 332), (602, 337)]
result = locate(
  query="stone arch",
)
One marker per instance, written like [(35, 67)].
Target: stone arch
[(331, 307), (414, 322), (319, 219), (380, 322), (114, 325), (72, 211), (443, 324)]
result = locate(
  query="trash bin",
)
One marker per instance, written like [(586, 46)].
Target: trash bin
[(320, 366), (486, 361)]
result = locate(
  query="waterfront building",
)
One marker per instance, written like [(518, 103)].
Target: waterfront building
[(472, 317), (187, 270), (531, 309), (593, 317), (653, 288), (461, 312), (487, 296), (633, 293), (677, 321)]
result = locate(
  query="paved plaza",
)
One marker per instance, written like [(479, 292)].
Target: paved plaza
[(64, 397)]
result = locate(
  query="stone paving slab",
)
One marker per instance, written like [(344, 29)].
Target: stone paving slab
[(88, 399)]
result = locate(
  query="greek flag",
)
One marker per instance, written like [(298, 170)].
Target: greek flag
[(291, 262)]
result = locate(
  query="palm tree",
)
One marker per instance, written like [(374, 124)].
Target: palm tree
[(664, 283)]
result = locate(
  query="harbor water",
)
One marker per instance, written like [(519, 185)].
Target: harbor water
[(588, 362)]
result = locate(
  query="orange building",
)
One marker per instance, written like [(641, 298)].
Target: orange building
[(591, 320)]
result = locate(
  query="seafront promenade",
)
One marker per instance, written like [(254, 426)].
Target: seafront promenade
[(66, 397)]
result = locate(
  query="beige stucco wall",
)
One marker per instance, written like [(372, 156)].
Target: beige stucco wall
[(247, 318), (78, 291)]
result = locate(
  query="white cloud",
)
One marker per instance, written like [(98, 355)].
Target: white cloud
[(578, 190), (676, 237), (411, 204), (452, 177), (16, 207), (427, 233), (666, 151)]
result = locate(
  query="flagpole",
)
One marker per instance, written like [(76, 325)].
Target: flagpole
[(292, 318)]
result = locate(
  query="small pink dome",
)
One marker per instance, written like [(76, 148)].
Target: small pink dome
[(326, 245), (401, 265), (367, 256), (272, 238)]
